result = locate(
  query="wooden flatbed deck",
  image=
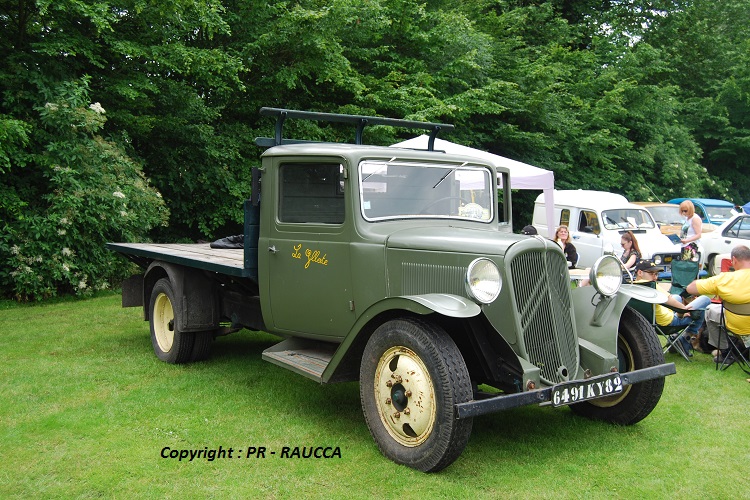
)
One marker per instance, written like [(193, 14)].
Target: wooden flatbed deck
[(195, 255)]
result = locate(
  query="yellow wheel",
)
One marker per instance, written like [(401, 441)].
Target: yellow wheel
[(169, 343), (405, 396), (411, 377), (163, 321)]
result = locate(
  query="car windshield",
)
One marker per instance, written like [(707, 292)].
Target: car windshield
[(392, 190), (719, 214), (627, 218), (666, 214)]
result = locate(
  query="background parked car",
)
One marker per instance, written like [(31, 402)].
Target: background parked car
[(713, 212), (596, 221), (736, 231), (666, 215)]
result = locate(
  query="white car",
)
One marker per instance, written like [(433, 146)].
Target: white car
[(596, 221), (735, 231)]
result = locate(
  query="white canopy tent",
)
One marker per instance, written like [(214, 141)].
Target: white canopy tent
[(522, 175)]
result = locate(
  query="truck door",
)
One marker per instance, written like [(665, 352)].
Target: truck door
[(586, 234), (309, 278)]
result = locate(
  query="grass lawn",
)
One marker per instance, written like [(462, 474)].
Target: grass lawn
[(86, 410)]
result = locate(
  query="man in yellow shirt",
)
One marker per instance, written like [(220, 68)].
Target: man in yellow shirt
[(647, 271), (733, 287)]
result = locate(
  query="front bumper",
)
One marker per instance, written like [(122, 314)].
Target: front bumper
[(538, 396)]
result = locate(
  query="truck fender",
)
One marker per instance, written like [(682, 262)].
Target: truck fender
[(198, 307), (446, 304), (600, 327), (345, 363), (643, 293)]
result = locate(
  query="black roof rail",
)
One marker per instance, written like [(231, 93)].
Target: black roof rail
[(358, 120)]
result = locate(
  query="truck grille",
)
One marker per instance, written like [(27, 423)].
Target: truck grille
[(541, 291)]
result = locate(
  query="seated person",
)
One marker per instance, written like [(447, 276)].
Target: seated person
[(646, 271), (733, 287), (631, 253), (562, 238)]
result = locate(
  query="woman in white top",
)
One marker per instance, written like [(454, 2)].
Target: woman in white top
[(691, 231)]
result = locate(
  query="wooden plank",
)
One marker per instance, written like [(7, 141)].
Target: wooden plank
[(200, 255)]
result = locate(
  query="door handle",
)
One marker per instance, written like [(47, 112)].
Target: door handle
[(272, 249)]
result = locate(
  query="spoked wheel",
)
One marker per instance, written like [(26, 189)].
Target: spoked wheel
[(170, 344), (637, 347), (412, 375)]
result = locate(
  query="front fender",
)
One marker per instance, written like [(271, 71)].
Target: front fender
[(643, 293), (446, 304), (600, 324), (450, 305)]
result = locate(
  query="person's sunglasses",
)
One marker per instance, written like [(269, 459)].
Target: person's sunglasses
[(683, 211)]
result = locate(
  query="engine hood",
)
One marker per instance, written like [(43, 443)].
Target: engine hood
[(453, 239)]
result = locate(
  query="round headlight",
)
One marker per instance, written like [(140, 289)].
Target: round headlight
[(606, 275), (657, 260), (483, 281)]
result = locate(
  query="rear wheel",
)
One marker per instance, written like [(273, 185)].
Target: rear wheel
[(637, 347), (170, 344), (412, 375)]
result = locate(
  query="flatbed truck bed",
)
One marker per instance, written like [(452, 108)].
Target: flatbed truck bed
[(194, 255)]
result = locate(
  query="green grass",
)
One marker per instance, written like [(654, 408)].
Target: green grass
[(86, 408)]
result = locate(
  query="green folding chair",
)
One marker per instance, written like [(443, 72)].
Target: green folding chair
[(684, 272)]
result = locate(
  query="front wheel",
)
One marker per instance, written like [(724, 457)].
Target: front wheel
[(412, 374), (637, 347)]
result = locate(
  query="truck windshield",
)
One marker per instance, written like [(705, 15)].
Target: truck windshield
[(627, 218), (393, 190)]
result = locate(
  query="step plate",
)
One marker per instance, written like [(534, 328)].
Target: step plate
[(304, 357)]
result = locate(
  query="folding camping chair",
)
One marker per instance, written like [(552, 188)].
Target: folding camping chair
[(684, 272), (736, 351), (671, 334)]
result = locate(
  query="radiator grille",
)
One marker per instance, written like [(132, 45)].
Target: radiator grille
[(541, 291)]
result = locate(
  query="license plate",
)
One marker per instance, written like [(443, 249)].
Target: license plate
[(581, 390)]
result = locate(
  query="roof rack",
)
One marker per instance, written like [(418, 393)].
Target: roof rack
[(358, 120)]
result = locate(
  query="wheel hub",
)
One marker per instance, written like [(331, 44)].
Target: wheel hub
[(163, 322), (405, 396)]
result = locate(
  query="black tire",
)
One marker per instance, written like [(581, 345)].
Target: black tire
[(412, 374), (710, 264), (170, 345), (202, 346), (637, 347)]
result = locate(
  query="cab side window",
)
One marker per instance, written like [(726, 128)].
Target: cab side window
[(588, 222), (311, 193)]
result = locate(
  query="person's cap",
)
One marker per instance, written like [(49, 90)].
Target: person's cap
[(529, 230), (647, 265)]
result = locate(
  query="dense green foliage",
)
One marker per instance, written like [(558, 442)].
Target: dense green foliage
[(645, 98)]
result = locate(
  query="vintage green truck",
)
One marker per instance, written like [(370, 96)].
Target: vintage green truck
[(399, 269)]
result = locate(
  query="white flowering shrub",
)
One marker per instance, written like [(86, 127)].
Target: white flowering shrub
[(82, 191)]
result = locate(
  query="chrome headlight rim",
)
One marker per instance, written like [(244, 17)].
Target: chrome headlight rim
[(483, 280), (606, 275)]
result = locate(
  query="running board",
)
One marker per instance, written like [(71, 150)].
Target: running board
[(306, 357)]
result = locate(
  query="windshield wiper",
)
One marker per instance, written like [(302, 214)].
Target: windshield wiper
[(443, 178)]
